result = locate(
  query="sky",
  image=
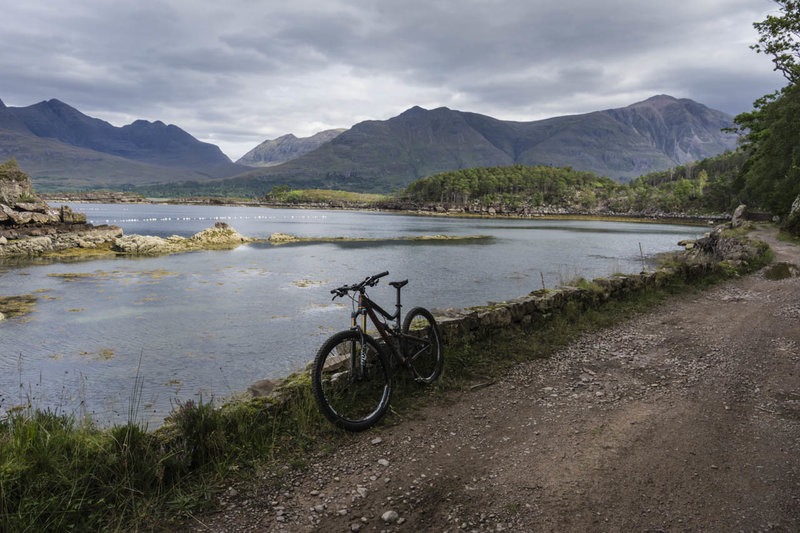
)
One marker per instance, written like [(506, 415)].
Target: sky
[(238, 72)]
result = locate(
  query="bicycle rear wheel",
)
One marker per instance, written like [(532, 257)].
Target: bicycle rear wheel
[(423, 344), (352, 380)]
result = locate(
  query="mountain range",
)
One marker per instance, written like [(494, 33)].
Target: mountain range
[(656, 134), (60, 147), (63, 148)]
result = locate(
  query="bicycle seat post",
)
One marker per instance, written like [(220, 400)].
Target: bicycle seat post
[(398, 285), (398, 305)]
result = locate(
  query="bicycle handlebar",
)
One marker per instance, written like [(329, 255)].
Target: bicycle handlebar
[(369, 281)]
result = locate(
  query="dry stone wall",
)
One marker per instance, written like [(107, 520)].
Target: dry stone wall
[(712, 253)]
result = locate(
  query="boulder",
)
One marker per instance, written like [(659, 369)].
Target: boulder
[(264, 387), (35, 207), (220, 235), (738, 216), (142, 245), (68, 216), (792, 222)]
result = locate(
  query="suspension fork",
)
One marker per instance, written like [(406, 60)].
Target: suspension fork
[(358, 362)]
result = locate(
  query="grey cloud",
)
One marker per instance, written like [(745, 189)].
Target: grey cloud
[(224, 68)]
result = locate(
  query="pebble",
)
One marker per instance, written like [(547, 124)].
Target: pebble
[(383, 462), (390, 516), (377, 440)]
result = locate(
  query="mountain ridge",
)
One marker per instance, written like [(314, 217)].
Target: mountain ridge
[(285, 148), (378, 156), (61, 147)]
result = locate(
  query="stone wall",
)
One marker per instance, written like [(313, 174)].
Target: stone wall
[(711, 253)]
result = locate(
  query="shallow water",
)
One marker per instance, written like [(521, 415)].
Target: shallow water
[(210, 323)]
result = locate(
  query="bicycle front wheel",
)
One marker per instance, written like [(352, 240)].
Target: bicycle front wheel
[(352, 380), (423, 344)]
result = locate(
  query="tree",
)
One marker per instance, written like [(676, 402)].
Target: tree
[(770, 177), (780, 38)]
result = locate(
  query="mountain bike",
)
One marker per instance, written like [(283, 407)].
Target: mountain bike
[(352, 376)]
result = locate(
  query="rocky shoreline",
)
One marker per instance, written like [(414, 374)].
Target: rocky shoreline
[(500, 210), (400, 205), (30, 228)]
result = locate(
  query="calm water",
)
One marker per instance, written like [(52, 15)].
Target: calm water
[(211, 323)]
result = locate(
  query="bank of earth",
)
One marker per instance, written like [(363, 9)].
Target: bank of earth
[(684, 418)]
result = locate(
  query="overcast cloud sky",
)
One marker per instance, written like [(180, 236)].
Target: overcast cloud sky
[(237, 72)]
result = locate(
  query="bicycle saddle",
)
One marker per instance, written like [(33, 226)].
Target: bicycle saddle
[(398, 284)]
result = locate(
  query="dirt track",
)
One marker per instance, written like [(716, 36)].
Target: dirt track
[(686, 418)]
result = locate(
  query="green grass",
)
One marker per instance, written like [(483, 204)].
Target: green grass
[(303, 196), (788, 237)]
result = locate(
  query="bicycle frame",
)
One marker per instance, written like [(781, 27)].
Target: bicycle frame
[(367, 308)]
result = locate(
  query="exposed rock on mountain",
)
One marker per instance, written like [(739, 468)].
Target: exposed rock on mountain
[(276, 151)]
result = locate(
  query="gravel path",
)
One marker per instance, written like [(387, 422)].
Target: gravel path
[(686, 418)]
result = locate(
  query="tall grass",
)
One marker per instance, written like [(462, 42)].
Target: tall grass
[(60, 474)]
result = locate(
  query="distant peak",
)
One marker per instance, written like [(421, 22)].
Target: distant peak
[(55, 102), (2, 105), (658, 101), (414, 111)]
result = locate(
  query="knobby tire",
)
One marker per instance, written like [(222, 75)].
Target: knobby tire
[(423, 344), (353, 397)]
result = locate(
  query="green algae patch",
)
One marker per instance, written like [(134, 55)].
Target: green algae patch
[(306, 283), (101, 251), (285, 238), (104, 354), (17, 306)]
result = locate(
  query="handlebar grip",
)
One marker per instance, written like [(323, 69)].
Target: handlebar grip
[(384, 273)]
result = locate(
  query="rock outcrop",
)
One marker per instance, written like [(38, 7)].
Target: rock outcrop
[(219, 236), (31, 227), (83, 238)]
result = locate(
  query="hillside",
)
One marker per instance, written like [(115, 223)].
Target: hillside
[(652, 135), (276, 151), (60, 147)]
